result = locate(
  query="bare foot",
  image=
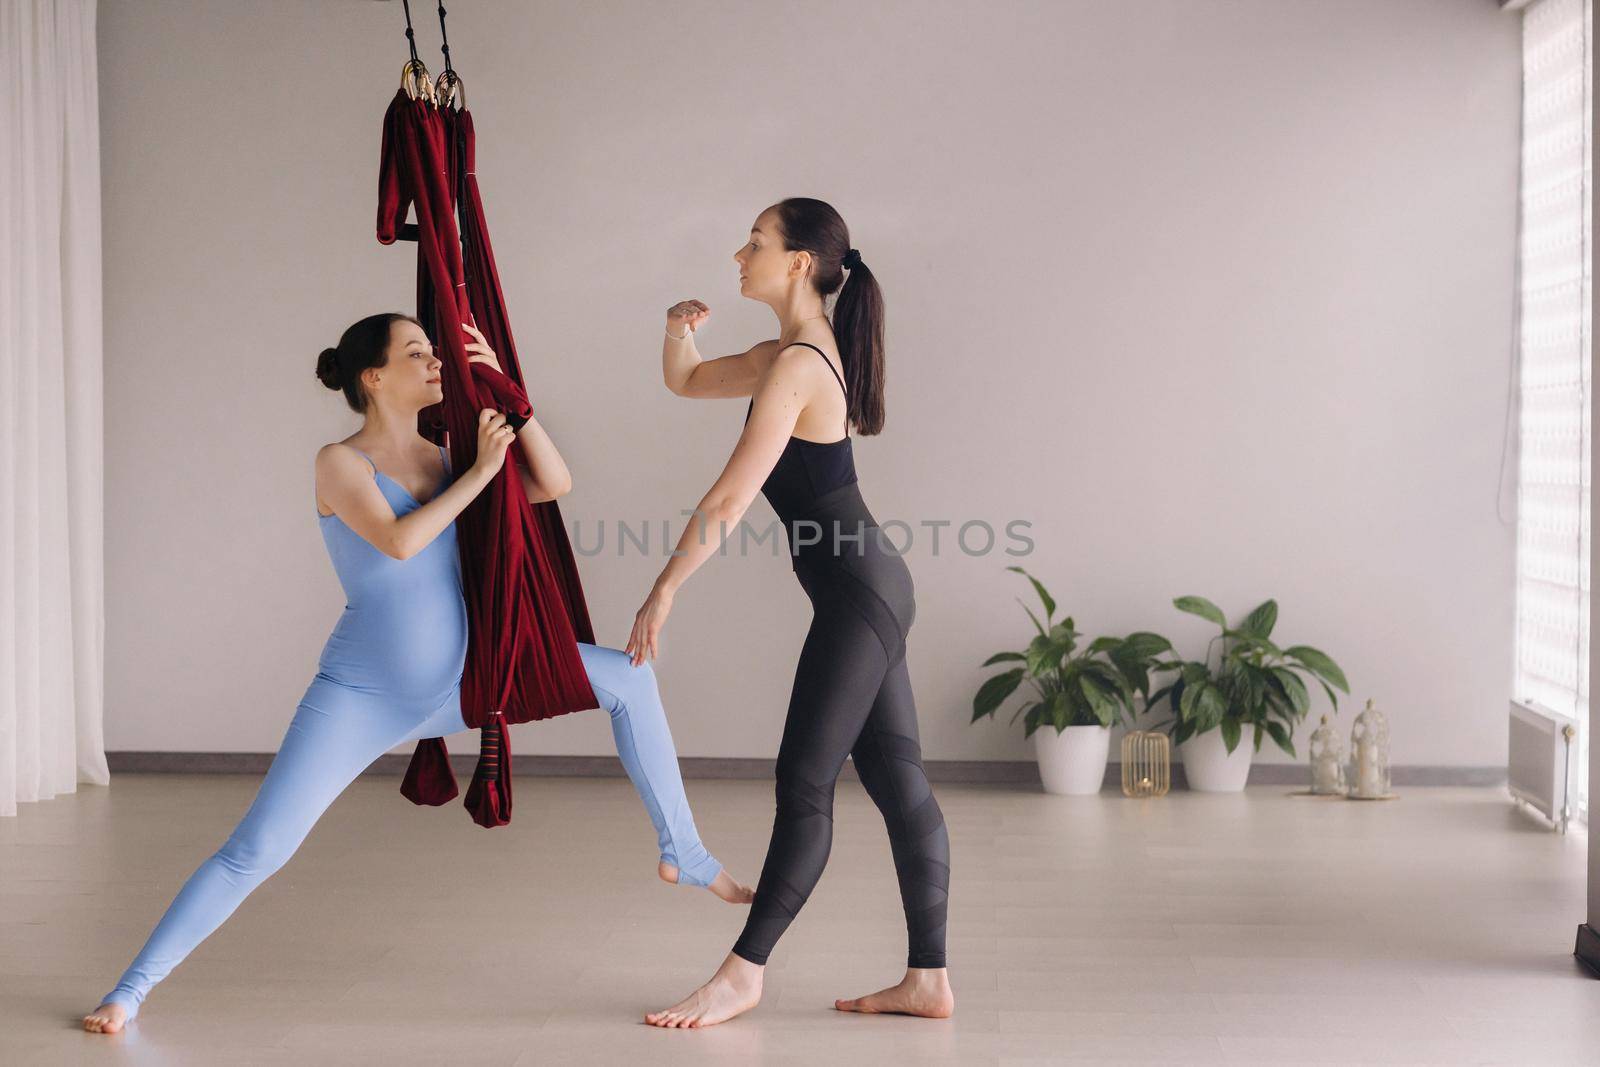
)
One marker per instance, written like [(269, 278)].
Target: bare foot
[(723, 885), (733, 990), (106, 1019), (924, 991)]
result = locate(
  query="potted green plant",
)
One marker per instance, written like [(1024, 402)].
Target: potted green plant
[(1254, 684), (1079, 693)]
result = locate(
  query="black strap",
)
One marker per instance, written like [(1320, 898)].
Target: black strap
[(835, 374), (826, 360), (446, 42), (411, 37)]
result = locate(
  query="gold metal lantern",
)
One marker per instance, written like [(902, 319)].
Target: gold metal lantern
[(1146, 764)]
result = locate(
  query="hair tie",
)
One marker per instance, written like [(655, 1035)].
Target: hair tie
[(851, 260)]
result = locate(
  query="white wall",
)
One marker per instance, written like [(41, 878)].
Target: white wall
[(1216, 295)]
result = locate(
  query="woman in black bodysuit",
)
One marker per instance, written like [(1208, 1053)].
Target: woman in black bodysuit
[(852, 694)]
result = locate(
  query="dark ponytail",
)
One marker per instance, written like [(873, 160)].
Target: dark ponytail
[(814, 226), (365, 344)]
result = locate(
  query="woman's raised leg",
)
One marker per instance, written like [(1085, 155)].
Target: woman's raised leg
[(644, 743)]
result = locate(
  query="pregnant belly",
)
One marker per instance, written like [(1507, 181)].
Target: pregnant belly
[(415, 653)]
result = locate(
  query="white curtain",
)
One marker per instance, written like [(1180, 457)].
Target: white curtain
[(1552, 657), (52, 616)]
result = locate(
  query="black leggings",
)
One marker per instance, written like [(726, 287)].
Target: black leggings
[(852, 696)]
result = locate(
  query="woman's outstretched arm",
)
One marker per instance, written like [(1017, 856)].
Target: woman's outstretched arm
[(779, 399), (687, 374)]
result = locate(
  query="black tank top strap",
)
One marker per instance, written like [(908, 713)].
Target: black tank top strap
[(829, 362), (826, 360)]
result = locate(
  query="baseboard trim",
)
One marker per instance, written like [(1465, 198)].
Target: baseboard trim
[(1588, 949), (977, 772)]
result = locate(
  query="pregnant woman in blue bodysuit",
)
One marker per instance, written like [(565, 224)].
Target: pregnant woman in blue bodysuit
[(391, 670)]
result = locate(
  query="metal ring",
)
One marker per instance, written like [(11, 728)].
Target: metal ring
[(416, 82), (450, 91)]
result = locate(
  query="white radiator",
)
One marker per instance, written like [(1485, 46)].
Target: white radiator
[(1539, 766)]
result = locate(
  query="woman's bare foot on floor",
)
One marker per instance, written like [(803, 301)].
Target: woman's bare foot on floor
[(106, 1019), (924, 991), (733, 990), (723, 885)]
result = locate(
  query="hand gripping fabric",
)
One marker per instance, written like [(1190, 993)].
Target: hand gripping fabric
[(525, 606)]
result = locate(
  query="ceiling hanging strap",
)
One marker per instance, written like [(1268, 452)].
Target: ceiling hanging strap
[(444, 39), (414, 78), (449, 92), (411, 35)]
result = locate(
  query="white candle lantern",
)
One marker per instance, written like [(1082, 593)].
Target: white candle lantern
[(1368, 774), (1327, 762)]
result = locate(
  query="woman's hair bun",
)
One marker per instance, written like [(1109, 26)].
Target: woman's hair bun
[(328, 368)]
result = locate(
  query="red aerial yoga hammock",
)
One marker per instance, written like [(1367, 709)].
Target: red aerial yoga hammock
[(525, 606)]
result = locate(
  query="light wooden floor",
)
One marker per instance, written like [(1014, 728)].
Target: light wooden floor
[(1192, 929)]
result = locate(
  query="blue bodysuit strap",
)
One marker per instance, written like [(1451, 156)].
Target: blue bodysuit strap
[(364, 456), (444, 454)]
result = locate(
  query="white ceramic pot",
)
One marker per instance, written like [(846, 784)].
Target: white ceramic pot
[(1072, 762), (1210, 768)]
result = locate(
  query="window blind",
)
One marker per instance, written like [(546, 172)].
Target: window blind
[(1552, 568)]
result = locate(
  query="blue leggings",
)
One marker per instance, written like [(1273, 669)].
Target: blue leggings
[(335, 734)]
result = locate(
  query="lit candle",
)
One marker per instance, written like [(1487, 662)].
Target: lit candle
[(1369, 784)]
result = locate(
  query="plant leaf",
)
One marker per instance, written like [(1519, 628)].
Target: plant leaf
[(1043, 654), (1230, 734), (1319, 664), (1064, 636), (1182, 731), (1059, 710), (1035, 718), (1199, 605), (1137, 678), (1233, 678), (1186, 701), (1108, 645), (1037, 625), (1281, 736), (1294, 690), (1044, 597), (1005, 657), (1146, 645), (1259, 623), (1211, 707), (1104, 707), (994, 692)]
